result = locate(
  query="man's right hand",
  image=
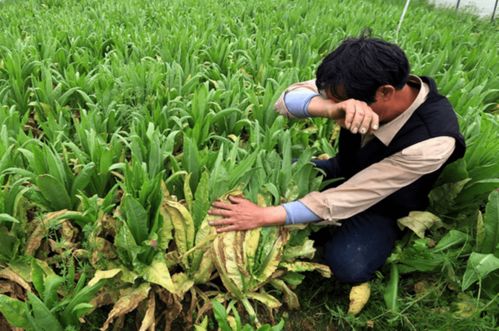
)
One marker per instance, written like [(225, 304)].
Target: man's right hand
[(351, 114)]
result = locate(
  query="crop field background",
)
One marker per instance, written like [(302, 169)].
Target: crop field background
[(121, 121)]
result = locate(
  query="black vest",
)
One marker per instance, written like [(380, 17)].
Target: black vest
[(434, 118)]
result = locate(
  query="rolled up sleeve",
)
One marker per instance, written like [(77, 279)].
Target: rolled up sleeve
[(280, 105)]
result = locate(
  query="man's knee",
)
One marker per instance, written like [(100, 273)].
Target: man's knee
[(347, 267)]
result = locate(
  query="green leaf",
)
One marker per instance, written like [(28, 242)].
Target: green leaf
[(220, 316), (201, 203), (126, 244), (478, 267), (82, 309), (293, 278), (83, 178), (452, 238), (52, 283), (391, 290), (191, 161), (490, 241), (37, 277), (14, 311), (136, 218), (54, 192), (7, 218), (85, 295), (43, 317)]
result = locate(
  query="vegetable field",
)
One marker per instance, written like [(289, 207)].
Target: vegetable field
[(122, 121)]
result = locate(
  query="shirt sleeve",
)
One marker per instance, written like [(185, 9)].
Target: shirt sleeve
[(376, 182), (297, 212), (297, 102), (280, 105)]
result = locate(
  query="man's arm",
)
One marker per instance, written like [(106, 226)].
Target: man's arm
[(378, 181), (357, 194), (302, 100)]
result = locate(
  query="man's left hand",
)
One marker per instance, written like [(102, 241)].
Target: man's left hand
[(242, 214)]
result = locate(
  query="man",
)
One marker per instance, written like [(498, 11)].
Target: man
[(397, 134)]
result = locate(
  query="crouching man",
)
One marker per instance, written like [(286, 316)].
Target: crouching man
[(397, 134)]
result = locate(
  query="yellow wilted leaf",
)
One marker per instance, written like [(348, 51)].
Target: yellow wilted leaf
[(204, 237), (250, 246), (218, 253), (229, 242), (188, 192), (158, 273), (480, 229), (165, 232), (183, 225), (260, 200), (419, 222), (203, 326), (359, 295), (290, 297), (324, 156), (307, 250), (274, 258), (205, 269), (265, 298), (232, 322), (301, 266), (465, 306), (182, 283), (103, 274), (233, 137), (127, 303)]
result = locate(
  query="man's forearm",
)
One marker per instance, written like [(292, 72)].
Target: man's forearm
[(303, 103), (322, 107)]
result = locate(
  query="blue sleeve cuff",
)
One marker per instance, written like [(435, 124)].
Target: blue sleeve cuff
[(297, 102), (298, 213)]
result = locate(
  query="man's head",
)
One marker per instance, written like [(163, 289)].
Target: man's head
[(367, 69)]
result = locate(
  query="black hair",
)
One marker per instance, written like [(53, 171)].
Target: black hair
[(359, 66)]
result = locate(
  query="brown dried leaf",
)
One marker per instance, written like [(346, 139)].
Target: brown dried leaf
[(104, 297), (130, 299), (149, 323), (9, 274), (12, 289), (108, 223), (102, 249), (174, 306), (40, 232), (68, 231)]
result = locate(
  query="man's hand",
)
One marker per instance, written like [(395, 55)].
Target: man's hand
[(357, 116), (353, 115), (242, 214)]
